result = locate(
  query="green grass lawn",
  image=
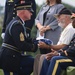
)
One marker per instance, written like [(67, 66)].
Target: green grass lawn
[(1, 72)]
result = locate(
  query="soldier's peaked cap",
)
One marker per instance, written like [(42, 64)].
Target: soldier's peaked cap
[(25, 6)]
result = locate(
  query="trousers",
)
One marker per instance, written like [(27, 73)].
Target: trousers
[(56, 65), (38, 64), (26, 68)]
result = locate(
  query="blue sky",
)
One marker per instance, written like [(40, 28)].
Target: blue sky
[(71, 2)]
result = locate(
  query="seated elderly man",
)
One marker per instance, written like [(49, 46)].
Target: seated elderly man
[(56, 61), (64, 21)]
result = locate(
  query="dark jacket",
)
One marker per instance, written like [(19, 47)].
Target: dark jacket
[(14, 43)]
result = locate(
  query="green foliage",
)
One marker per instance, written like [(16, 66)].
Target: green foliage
[(33, 32), (68, 6), (1, 7), (1, 22), (0, 36)]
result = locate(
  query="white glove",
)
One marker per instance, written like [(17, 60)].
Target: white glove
[(3, 35)]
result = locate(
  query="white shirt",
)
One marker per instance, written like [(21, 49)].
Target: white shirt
[(66, 35)]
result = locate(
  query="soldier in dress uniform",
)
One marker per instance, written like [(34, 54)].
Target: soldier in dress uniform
[(16, 41), (56, 61), (10, 13)]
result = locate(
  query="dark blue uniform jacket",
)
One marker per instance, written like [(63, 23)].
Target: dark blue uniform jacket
[(14, 43)]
